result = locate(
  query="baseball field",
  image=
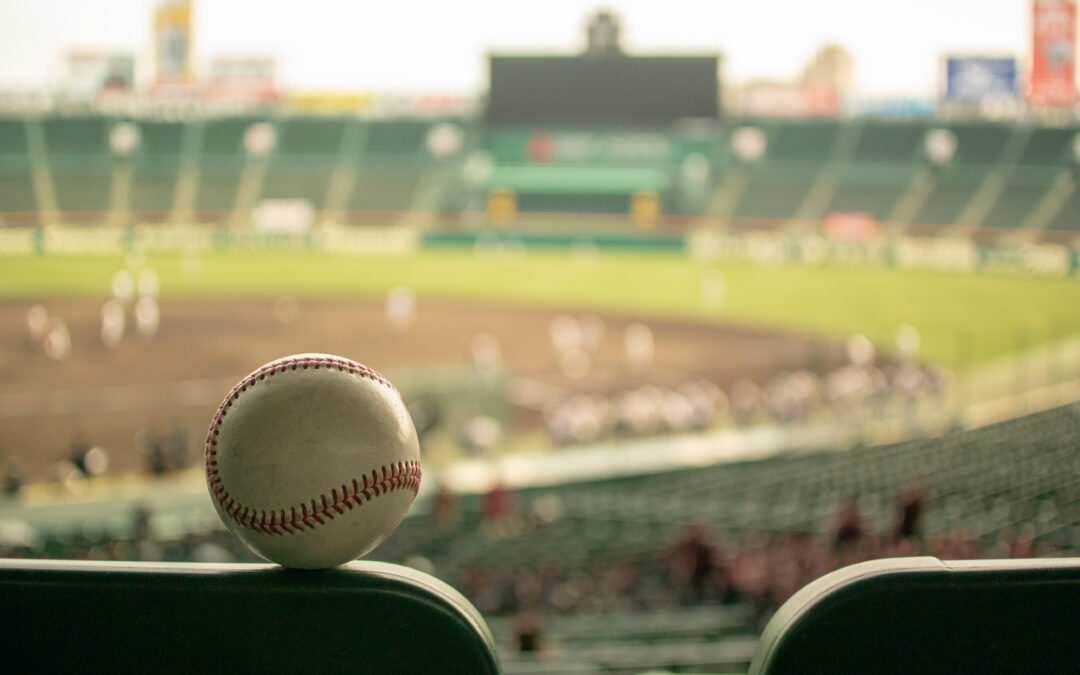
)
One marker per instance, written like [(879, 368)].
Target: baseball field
[(993, 312), (722, 321)]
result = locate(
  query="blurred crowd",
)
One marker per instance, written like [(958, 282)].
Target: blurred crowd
[(848, 393), (760, 569), (696, 566)]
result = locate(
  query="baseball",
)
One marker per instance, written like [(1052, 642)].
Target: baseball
[(312, 460)]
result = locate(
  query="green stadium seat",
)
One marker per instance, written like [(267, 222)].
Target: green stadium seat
[(890, 141), (157, 169), (367, 617), (774, 193), (804, 141), (872, 187), (81, 163), (17, 200), (924, 615), (378, 192), (307, 154), (1048, 147), (980, 143), (75, 136), (396, 139), (953, 190), (1020, 196), (1068, 218), (311, 136)]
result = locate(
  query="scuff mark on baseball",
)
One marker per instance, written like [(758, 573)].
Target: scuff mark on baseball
[(312, 460)]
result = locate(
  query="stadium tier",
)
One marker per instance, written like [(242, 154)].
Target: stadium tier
[(354, 170), (157, 170), (17, 198), (606, 561)]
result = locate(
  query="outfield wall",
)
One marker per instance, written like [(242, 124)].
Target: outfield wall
[(952, 254)]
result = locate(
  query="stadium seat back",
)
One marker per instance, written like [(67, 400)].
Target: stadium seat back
[(366, 617), (923, 615)]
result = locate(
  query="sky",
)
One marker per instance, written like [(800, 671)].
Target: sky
[(415, 46)]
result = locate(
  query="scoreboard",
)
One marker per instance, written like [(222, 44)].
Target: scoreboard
[(602, 90)]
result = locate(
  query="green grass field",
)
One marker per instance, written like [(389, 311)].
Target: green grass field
[(994, 314)]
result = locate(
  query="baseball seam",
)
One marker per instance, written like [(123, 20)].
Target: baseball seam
[(319, 510)]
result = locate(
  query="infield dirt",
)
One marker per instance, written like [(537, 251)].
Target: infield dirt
[(177, 379)]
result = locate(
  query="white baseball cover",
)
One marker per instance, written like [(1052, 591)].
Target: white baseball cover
[(312, 460)]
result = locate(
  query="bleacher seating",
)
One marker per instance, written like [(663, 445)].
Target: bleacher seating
[(980, 142), (1047, 147), (602, 551), (388, 168), (954, 187), (803, 141), (1068, 218), (17, 199), (81, 165), (157, 165), (1021, 194), (989, 483), (221, 162), (306, 156), (810, 167), (881, 141), (872, 188), (774, 193)]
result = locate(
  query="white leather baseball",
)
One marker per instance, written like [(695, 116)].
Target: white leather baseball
[(312, 460)]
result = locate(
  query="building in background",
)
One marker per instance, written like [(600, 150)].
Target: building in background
[(827, 80), (242, 79), (172, 46), (94, 73), (831, 69), (1052, 82)]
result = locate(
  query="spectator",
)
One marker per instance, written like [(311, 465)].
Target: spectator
[(849, 526), (909, 507), (13, 477)]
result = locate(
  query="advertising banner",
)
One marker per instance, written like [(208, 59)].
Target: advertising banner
[(172, 43), (1053, 53), (975, 79)]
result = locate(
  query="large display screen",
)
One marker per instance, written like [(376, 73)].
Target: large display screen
[(610, 90)]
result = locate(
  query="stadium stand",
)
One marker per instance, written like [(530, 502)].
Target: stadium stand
[(980, 142), (305, 159), (221, 163), (1047, 147), (883, 164), (157, 165), (17, 198), (1021, 193), (954, 188), (1068, 218), (682, 569), (388, 168), (774, 192), (803, 141), (80, 164), (365, 171)]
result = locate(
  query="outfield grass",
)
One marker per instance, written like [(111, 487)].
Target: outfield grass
[(994, 314)]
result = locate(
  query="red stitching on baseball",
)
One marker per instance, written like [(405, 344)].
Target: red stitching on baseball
[(401, 475)]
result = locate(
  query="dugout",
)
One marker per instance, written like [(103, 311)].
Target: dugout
[(602, 131)]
